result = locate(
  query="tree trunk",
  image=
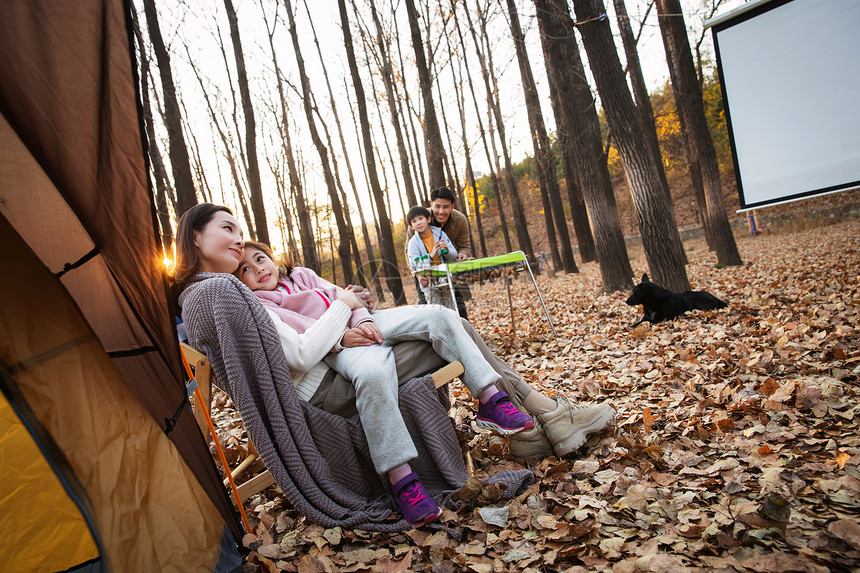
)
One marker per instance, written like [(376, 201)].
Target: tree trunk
[(693, 167), (578, 209), (388, 79), (343, 247), (454, 182), (255, 187), (580, 128), (368, 246), (643, 104), (159, 172), (432, 135), (375, 98), (186, 197), (672, 20), (470, 174), (404, 104), (306, 231), (656, 224), (492, 90), (389, 255), (373, 211), (290, 242), (494, 160), (228, 151), (355, 253), (544, 158)]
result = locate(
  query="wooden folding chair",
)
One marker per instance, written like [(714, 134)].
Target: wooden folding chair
[(202, 406)]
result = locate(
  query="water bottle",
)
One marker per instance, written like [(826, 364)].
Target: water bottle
[(425, 262)]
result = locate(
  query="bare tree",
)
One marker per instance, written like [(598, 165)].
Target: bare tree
[(485, 58), (389, 255), (255, 186), (358, 202), (343, 249), (457, 81), (656, 223), (579, 128), (387, 73), (228, 150), (156, 162), (306, 232), (578, 209), (491, 161), (702, 147), (432, 134), (186, 197), (544, 158)]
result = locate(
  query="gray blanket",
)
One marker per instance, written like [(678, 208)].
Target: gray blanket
[(319, 460)]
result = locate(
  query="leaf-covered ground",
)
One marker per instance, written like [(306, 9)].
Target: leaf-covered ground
[(735, 449)]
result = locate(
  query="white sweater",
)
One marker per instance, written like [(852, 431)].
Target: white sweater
[(305, 351)]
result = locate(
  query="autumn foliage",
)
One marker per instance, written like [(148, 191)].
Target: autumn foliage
[(735, 449)]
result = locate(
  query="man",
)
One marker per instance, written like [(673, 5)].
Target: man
[(456, 226)]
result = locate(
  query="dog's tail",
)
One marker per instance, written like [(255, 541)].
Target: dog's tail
[(703, 300)]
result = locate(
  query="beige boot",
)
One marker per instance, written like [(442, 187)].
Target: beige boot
[(569, 425), (531, 443)]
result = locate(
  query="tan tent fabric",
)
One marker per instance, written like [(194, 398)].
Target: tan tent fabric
[(74, 183), (28, 487), (149, 510)]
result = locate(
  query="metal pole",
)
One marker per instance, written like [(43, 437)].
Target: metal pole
[(540, 296)]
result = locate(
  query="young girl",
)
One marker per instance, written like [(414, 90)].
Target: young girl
[(358, 346)]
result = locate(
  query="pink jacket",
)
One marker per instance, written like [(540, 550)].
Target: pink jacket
[(308, 296)]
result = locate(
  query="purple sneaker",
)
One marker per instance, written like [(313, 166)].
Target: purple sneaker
[(414, 501), (499, 414)]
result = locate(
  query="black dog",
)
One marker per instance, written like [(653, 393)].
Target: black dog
[(660, 304)]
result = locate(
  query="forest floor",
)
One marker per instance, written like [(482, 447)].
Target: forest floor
[(735, 448)]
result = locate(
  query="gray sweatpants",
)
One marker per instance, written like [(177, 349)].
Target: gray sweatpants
[(373, 372)]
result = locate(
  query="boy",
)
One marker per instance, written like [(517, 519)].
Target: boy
[(427, 240)]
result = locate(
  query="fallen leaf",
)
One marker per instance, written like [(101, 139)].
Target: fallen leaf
[(847, 530), (497, 516)]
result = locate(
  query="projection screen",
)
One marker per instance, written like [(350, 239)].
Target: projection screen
[(790, 74)]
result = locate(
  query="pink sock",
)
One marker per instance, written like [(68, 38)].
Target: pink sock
[(487, 393), (398, 473)]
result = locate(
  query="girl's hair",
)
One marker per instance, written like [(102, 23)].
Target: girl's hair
[(284, 269), (187, 257)]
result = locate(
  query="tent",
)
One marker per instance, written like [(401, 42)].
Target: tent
[(104, 467)]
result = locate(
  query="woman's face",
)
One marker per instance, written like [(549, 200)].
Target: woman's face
[(220, 244), (258, 271)]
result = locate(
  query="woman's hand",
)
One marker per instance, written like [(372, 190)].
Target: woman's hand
[(364, 334)]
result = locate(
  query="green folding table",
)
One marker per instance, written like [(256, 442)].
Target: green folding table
[(516, 260)]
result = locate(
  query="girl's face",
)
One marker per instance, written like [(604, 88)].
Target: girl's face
[(258, 271), (220, 244)]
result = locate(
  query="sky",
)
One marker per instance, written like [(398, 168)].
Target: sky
[(191, 29)]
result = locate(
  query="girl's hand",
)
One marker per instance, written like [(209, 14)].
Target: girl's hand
[(364, 294), (350, 299)]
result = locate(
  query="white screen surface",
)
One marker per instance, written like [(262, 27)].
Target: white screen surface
[(791, 80)]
